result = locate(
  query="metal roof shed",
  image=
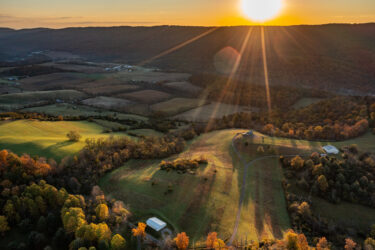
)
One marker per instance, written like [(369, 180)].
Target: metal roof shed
[(156, 224), (329, 149)]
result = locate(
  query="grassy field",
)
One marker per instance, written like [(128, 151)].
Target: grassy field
[(364, 142), (47, 138), (361, 217), (55, 81), (306, 101), (146, 96), (66, 109), (176, 105), (145, 132), (149, 76), (210, 111), (19, 100), (207, 201)]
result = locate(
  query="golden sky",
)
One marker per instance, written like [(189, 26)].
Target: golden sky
[(72, 13)]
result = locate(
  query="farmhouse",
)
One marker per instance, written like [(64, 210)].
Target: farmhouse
[(156, 224), (329, 149)]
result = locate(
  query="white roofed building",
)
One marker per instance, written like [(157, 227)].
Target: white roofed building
[(156, 224), (329, 149)]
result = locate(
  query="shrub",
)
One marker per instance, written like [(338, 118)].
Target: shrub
[(73, 136)]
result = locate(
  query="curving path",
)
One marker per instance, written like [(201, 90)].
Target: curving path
[(243, 186)]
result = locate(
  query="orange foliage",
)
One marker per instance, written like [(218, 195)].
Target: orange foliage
[(3, 159), (212, 242), (302, 242), (182, 240), (33, 167), (140, 230), (3, 156), (350, 244), (322, 244)]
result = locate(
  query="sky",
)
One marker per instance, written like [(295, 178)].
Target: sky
[(72, 13)]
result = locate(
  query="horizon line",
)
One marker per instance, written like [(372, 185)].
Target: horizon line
[(192, 26)]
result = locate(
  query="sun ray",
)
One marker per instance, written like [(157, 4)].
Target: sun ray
[(232, 74), (177, 47), (265, 68)]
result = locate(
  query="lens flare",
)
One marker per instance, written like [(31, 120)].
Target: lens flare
[(261, 10)]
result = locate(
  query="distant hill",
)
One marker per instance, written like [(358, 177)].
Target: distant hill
[(334, 57)]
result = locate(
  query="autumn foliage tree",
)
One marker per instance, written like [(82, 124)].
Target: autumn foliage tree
[(118, 242), (139, 231), (182, 241), (349, 244), (213, 242), (322, 244), (102, 212)]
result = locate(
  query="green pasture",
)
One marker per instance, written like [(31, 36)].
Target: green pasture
[(47, 139)]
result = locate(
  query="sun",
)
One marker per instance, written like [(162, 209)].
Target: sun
[(261, 10)]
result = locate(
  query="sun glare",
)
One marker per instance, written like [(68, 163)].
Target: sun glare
[(261, 10)]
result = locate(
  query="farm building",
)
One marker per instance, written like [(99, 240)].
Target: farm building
[(156, 224), (329, 149), (250, 133)]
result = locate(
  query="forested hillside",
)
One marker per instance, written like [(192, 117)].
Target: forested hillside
[(323, 57)]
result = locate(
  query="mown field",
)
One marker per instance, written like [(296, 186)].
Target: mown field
[(207, 201), (47, 139)]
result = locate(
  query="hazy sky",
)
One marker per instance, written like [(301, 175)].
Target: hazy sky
[(67, 13)]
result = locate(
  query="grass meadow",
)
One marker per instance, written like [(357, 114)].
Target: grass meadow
[(47, 139), (207, 201)]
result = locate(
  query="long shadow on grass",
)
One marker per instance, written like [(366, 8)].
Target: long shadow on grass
[(33, 149)]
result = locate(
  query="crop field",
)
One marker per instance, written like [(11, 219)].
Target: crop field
[(207, 201), (20, 100), (55, 81), (107, 102), (150, 76), (66, 109), (109, 89), (47, 138), (146, 96), (8, 90), (184, 87), (304, 102), (84, 68), (211, 111), (176, 105)]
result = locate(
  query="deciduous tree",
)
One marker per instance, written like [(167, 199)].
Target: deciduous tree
[(140, 230), (182, 241), (118, 242)]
